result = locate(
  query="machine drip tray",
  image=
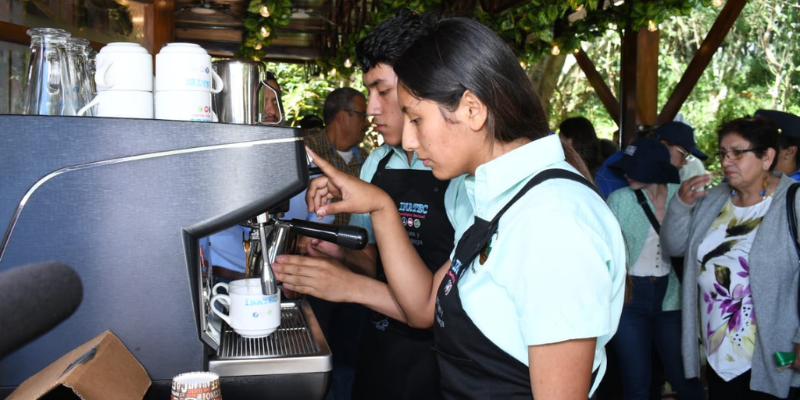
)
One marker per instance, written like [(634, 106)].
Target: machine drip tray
[(296, 347)]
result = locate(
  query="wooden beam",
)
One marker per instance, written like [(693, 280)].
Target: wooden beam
[(498, 6), (600, 87), (647, 77), (627, 118), (159, 25), (14, 33), (18, 34), (715, 36), (219, 35)]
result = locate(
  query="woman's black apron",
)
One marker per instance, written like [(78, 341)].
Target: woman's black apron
[(471, 365), (394, 360)]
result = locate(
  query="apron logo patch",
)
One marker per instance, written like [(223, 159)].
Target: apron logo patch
[(382, 324), (485, 252), (451, 276)]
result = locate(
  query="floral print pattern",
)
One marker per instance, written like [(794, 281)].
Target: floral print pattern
[(726, 305)]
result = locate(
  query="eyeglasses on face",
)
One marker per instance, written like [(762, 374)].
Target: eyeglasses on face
[(363, 114), (683, 152), (734, 154)]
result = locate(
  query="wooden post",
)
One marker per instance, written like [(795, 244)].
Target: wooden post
[(700, 61), (647, 77), (608, 98), (628, 73), (159, 26)]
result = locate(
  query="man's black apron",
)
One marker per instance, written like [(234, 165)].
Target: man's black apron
[(471, 365), (396, 361)]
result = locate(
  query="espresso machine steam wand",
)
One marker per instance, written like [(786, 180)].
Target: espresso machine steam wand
[(271, 237)]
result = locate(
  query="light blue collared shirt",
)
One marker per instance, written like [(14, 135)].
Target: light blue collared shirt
[(556, 269)]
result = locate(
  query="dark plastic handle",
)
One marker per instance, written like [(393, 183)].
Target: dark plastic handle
[(348, 236)]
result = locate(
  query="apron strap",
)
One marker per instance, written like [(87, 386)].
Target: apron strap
[(472, 243)]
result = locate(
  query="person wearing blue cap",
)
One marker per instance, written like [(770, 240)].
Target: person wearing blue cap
[(677, 136), (652, 316), (789, 128)]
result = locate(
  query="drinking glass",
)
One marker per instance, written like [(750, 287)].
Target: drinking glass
[(48, 80), (77, 68)]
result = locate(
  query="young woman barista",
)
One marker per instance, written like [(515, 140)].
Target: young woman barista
[(530, 316)]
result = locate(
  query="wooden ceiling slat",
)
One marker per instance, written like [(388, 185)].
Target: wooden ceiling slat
[(222, 35)]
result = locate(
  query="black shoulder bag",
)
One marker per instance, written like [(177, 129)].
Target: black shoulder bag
[(677, 262), (790, 195)]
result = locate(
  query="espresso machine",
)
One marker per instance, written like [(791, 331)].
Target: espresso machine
[(124, 202)]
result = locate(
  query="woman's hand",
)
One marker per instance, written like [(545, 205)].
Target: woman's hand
[(694, 188), (357, 196)]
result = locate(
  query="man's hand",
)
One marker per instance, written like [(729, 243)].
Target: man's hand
[(319, 248)]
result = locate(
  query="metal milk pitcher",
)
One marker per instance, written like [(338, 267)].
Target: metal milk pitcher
[(240, 102)]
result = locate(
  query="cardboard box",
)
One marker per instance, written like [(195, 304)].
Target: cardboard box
[(99, 369)]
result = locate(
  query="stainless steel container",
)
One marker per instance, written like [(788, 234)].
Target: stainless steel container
[(240, 101)]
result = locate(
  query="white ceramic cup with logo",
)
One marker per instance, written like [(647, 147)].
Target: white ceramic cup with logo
[(121, 104), (251, 314), (184, 106), (236, 283), (186, 66), (124, 66)]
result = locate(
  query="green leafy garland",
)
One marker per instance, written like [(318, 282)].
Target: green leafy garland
[(532, 30), (264, 18)]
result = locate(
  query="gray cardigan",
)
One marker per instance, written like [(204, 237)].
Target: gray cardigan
[(773, 282)]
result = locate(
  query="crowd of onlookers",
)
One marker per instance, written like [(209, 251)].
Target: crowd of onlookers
[(712, 269)]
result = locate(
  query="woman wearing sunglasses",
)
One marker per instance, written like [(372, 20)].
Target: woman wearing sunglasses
[(740, 271)]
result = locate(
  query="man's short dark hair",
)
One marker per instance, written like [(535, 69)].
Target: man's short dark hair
[(311, 122), (390, 38), (339, 99)]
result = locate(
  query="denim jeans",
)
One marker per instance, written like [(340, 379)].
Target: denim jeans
[(642, 325)]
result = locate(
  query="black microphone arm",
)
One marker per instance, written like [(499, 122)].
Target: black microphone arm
[(34, 298)]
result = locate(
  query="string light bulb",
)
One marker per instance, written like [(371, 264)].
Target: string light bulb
[(264, 11), (716, 3), (257, 46), (555, 50), (333, 72), (347, 63), (651, 26), (522, 64), (264, 32)]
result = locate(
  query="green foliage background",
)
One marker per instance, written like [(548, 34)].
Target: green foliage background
[(757, 66)]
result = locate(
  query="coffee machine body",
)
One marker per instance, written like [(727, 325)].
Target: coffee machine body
[(124, 203)]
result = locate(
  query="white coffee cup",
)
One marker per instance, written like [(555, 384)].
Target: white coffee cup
[(121, 104), (251, 313), (186, 66), (184, 106), (124, 66), (236, 283)]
